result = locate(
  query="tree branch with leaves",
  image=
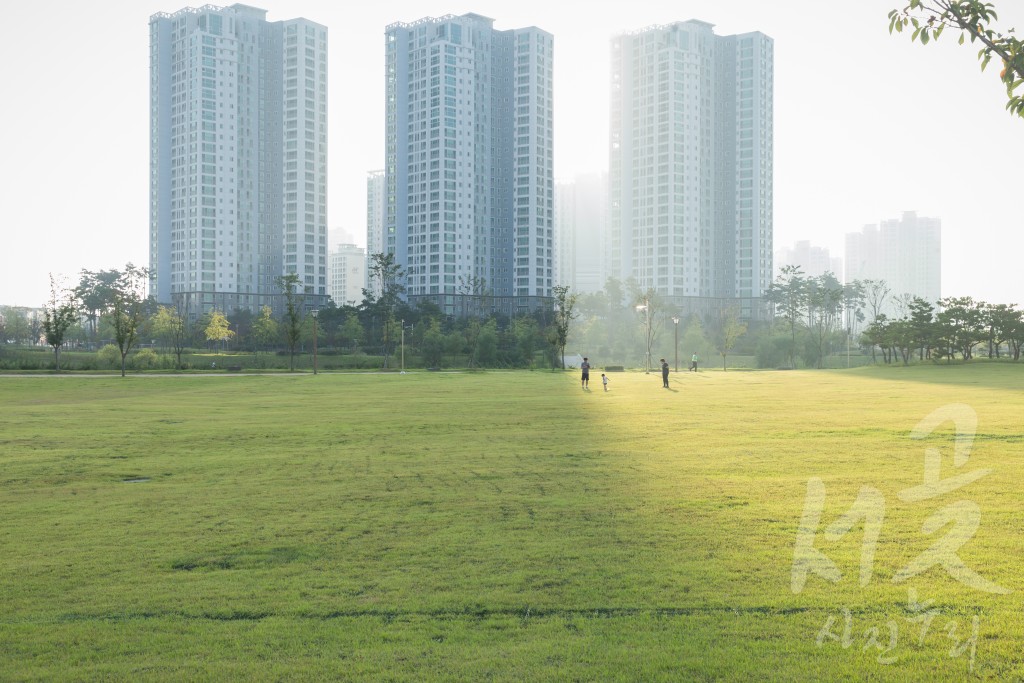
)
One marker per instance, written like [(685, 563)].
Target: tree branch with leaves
[(929, 18)]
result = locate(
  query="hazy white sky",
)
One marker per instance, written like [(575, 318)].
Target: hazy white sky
[(866, 125)]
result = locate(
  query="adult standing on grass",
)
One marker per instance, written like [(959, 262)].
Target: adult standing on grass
[(585, 378), (693, 362), (664, 373)]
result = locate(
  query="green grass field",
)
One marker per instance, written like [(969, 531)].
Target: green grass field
[(499, 526)]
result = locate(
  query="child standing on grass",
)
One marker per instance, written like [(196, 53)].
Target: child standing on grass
[(604, 381)]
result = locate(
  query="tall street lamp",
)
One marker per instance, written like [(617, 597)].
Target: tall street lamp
[(646, 308), (403, 348), (314, 313), (675, 320)]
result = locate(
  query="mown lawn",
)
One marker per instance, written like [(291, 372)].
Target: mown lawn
[(499, 526)]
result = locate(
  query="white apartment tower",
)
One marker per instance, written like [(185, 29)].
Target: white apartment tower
[(691, 157), (238, 169), (469, 177), (347, 268)]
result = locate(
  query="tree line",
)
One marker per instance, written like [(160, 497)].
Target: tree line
[(815, 314), (109, 310), (811, 319)]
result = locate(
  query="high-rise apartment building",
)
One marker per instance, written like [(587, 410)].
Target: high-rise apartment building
[(238, 146), (905, 253), (375, 213), (581, 230), (691, 157), (469, 177)]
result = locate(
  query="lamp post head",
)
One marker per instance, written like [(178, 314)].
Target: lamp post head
[(675, 319), (314, 313)]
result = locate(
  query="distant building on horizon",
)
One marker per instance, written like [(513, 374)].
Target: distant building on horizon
[(469, 166), (581, 232), (238, 168), (905, 252), (691, 165), (812, 260), (347, 273)]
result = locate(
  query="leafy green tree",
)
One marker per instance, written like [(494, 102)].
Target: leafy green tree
[(454, 344), (265, 330), (240, 321), (293, 318), (471, 332), (876, 335), (772, 350), (486, 350), (128, 309), (825, 300), (351, 331), (382, 298), (694, 339), (218, 329), (901, 337), (1012, 330), (169, 326), (726, 331), (1006, 326), (35, 326), (96, 292), (565, 313), (960, 325), (16, 325), (973, 18), (854, 301), (433, 345), (526, 333), (788, 296), (59, 314), (922, 326)]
